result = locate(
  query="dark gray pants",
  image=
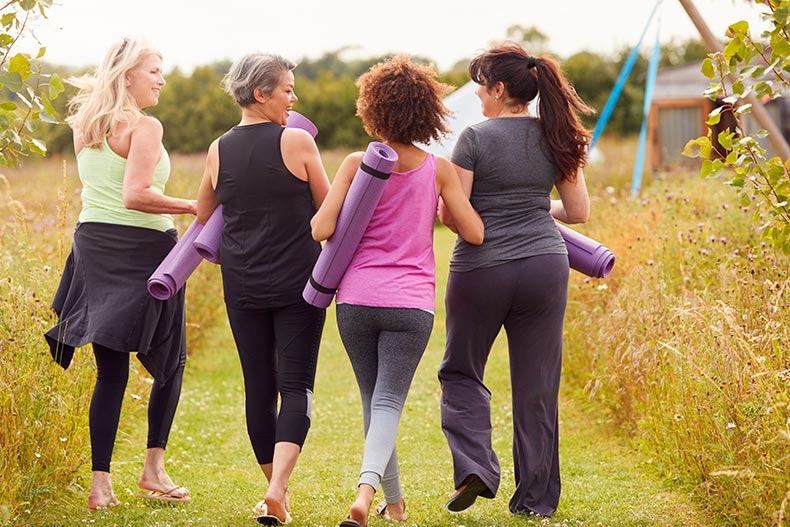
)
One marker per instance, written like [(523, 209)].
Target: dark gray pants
[(528, 298)]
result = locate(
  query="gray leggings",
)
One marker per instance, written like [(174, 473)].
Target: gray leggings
[(385, 346)]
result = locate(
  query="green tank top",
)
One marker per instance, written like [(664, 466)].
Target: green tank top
[(101, 173)]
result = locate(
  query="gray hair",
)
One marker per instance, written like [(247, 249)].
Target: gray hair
[(255, 70)]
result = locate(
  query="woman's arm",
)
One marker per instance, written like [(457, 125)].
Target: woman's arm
[(302, 158), (466, 177), (207, 198), (456, 205), (325, 220), (574, 203), (145, 149)]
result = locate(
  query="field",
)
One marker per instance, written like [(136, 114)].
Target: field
[(675, 385)]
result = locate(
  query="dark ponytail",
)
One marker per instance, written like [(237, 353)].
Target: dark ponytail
[(525, 77)]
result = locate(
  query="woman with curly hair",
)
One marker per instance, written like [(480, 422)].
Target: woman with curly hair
[(386, 299)]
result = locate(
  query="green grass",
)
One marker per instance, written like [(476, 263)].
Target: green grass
[(605, 483), (673, 411)]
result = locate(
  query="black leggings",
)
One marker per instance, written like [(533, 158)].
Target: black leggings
[(278, 349), (112, 374)]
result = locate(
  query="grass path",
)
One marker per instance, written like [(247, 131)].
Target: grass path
[(604, 483)]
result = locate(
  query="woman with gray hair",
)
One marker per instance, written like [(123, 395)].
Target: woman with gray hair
[(270, 181), (125, 230)]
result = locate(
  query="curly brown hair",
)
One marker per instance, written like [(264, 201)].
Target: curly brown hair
[(400, 101)]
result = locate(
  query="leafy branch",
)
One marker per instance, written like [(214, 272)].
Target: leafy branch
[(744, 67)]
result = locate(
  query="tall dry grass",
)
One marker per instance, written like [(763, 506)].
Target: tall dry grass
[(684, 347), (43, 410), (685, 344)]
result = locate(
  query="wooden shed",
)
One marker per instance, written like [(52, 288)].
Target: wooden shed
[(678, 113)]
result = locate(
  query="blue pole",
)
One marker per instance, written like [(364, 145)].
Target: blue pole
[(620, 83), (652, 71)]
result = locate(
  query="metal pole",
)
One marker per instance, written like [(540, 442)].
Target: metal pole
[(762, 117)]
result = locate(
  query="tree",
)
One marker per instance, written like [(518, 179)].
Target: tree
[(27, 92), (747, 66)]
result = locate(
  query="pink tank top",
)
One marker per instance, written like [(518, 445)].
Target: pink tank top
[(394, 264)]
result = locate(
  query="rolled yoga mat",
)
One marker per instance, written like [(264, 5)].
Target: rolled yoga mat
[(360, 203), (208, 241), (585, 254), (179, 263)]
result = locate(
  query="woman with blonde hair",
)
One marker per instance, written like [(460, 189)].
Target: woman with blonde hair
[(125, 230)]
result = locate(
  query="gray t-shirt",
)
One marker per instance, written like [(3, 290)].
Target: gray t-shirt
[(513, 179)]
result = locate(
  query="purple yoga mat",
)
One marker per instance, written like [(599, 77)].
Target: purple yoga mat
[(585, 254), (360, 203), (297, 120), (179, 263), (208, 241)]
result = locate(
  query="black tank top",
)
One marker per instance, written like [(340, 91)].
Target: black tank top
[(267, 249)]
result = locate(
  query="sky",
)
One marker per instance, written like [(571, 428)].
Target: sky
[(193, 33)]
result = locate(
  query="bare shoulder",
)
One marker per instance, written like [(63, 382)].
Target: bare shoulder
[(148, 125), (298, 137), (444, 168), (354, 157)]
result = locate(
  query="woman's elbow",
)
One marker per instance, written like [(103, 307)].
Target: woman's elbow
[(131, 200), (475, 236), (319, 232), (577, 215)]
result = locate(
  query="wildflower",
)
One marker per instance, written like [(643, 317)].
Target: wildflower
[(700, 225), (678, 417), (718, 216), (730, 426), (723, 239), (587, 280), (135, 397), (650, 262), (724, 206), (603, 287), (703, 252)]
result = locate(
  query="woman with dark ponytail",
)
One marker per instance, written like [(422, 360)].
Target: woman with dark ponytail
[(518, 278)]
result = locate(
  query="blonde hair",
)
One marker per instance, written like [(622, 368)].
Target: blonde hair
[(103, 99)]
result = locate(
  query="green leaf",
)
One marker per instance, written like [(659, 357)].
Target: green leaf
[(744, 108), (41, 52), (11, 80), (740, 28), (725, 139), (20, 64), (692, 149), (779, 44), (38, 146), (55, 86), (8, 106), (714, 116), (707, 68)]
